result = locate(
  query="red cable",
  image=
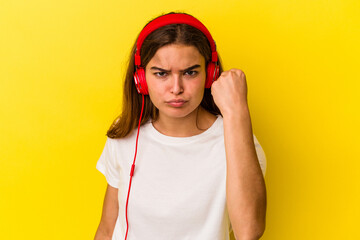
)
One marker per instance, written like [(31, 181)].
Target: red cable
[(133, 166)]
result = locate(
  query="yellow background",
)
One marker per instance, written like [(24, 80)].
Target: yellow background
[(61, 67)]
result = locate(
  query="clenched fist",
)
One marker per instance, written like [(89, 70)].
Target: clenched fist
[(230, 92)]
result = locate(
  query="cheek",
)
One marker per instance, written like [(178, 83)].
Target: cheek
[(154, 96), (151, 84), (198, 87), (155, 93)]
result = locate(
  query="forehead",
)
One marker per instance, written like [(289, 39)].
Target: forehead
[(176, 56)]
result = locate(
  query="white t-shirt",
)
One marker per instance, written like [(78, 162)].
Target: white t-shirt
[(178, 190)]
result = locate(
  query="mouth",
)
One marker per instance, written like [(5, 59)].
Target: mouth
[(176, 102)]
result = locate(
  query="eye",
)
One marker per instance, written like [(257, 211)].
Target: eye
[(160, 74), (191, 73)]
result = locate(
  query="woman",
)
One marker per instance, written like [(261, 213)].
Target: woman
[(199, 168)]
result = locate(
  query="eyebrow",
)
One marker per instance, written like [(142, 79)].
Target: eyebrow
[(185, 70)]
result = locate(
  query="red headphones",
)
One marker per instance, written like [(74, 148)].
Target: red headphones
[(212, 69)]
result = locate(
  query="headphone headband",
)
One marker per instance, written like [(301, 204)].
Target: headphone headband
[(175, 18)]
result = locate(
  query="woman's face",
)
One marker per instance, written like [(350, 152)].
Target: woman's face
[(176, 80)]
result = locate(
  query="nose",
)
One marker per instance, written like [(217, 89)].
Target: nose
[(177, 85)]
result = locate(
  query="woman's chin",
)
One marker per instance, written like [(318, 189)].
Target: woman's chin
[(178, 113)]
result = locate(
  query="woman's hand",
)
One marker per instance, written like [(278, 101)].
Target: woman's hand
[(230, 92)]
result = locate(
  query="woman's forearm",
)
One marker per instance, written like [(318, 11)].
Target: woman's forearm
[(245, 185), (104, 232)]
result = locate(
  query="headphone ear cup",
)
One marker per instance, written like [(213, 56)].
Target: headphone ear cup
[(140, 81), (217, 72), (212, 74)]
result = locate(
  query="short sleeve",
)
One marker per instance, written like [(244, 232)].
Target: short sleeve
[(108, 165), (261, 155)]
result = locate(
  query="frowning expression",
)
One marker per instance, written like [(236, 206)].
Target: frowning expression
[(176, 80)]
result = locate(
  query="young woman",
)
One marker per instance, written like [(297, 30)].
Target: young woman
[(199, 168)]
